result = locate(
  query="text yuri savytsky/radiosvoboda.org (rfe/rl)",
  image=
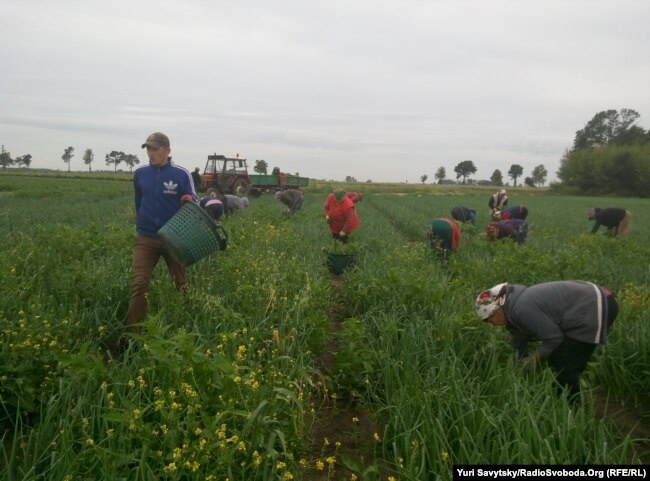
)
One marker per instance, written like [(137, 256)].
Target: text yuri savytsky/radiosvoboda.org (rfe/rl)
[(559, 472)]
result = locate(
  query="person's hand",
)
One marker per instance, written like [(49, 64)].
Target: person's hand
[(531, 363), (186, 197), (327, 219), (342, 234)]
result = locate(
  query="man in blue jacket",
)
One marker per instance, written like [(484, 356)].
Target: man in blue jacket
[(160, 188)]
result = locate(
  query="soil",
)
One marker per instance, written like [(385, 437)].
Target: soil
[(339, 426), (350, 431)]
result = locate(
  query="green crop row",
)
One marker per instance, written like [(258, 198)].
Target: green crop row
[(226, 382)]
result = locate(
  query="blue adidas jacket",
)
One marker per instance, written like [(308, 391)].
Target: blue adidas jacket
[(158, 192)]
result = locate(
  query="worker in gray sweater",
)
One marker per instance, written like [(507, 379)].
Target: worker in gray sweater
[(569, 318), (292, 198), (232, 203)]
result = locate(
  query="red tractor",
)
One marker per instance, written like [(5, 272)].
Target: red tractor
[(223, 175)]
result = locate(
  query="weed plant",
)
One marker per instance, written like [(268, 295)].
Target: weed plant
[(221, 383)]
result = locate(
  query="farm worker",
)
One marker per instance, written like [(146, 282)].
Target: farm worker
[(341, 215), (292, 198), (354, 196), (232, 203), (612, 218), (196, 178), (212, 206), (498, 201), (443, 236), (516, 229), (463, 214), (517, 212), (569, 318), (281, 177), (160, 188)]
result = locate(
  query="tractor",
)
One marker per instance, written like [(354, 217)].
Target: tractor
[(223, 175)]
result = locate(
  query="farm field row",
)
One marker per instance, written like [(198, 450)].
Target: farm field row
[(226, 383)]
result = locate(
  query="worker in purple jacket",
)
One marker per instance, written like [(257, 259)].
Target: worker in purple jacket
[(517, 212), (516, 229), (612, 218), (569, 319)]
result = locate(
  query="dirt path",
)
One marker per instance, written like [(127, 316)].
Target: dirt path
[(340, 429)]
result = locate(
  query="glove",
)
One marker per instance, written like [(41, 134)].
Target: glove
[(186, 197), (342, 234), (327, 219)]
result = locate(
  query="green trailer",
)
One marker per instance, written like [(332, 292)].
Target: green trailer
[(270, 183)]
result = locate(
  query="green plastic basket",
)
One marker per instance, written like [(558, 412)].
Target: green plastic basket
[(191, 234), (339, 263)]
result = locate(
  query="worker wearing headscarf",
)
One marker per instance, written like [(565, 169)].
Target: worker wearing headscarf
[(569, 318), (443, 236), (340, 215)]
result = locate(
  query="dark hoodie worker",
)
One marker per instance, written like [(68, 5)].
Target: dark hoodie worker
[(613, 218)]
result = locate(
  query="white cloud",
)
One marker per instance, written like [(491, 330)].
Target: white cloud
[(382, 90)]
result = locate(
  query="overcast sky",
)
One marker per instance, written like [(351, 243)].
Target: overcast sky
[(374, 89)]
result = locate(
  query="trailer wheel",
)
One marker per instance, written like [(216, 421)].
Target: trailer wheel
[(241, 188)]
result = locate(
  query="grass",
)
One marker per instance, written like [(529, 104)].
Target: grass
[(222, 382)]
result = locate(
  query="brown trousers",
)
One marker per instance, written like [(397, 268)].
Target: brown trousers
[(624, 225), (146, 254)]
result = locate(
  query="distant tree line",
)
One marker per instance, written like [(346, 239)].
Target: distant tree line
[(466, 169), (7, 161), (609, 156), (115, 158)]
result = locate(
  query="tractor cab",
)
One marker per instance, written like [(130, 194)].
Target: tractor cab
[(224, 175)]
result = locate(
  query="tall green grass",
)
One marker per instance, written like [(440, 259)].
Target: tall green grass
[(221, 383)]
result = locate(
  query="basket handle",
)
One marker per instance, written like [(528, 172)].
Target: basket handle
[(223, 237)]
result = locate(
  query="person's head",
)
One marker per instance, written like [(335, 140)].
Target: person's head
[(592, 213), (489, 305), (158, 149), (492, 230), (501, 193), (196, 170), (339, 195), (275, 171)]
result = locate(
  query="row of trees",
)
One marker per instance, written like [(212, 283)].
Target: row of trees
[(115, 158), (466, 169), (20, 161), (610, 155)]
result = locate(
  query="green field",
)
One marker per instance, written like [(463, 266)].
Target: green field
[(245, 376)]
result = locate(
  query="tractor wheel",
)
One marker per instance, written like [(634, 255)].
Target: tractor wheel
[(213, 192), (241, 188)]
